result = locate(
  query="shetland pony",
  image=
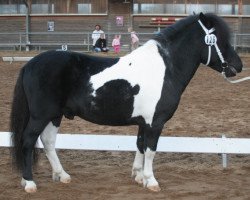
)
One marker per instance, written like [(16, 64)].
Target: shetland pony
[(143, 88)]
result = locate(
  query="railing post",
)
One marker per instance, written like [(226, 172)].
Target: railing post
[(20, 41), (224, 156), (88, 42), (235, 41), (27, 25)]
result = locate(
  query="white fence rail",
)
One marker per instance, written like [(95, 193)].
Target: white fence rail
[(222, 145), (128, 143)]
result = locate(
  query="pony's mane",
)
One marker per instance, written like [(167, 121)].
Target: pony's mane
[(221, 28), (171, 31)]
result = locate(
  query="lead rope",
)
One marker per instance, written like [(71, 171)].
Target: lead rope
[(211, 40), (235, 81)]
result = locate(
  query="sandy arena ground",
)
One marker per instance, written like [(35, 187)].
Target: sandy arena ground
[(209, 107)]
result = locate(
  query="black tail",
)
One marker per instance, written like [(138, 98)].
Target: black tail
[(19, 118)]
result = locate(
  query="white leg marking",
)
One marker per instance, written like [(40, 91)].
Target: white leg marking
[(149, 180), (29, 186), (48, 138), (137, 169)]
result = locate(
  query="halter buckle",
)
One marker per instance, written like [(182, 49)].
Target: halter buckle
[(224, 65)]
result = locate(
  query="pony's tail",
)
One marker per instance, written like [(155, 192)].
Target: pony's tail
[(19, 118)]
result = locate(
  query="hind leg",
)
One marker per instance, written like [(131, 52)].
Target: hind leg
[(30, 136), (137, 169), (48, 138)]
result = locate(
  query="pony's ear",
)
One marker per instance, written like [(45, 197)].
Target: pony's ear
[(205, 20)]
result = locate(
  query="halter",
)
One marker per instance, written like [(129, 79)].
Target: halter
[(211, 40)]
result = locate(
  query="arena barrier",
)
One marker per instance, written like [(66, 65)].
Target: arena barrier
[(222, 145), (16, 58)]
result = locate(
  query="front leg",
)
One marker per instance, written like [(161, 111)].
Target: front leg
[(137, 169), (151, 137), (143, 164), (149, 180)]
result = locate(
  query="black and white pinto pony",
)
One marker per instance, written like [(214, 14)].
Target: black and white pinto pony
[(142, 88)]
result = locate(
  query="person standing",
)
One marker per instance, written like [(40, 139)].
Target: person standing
[(96, 34), (116, 44), (134, 39)]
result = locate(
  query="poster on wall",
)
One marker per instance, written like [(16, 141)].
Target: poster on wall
[(119, 20), (51, 26)]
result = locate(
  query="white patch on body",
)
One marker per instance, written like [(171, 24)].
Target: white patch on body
[(147, 69), (48, 138)]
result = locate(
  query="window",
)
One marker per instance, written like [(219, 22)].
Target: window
[(45, 6), (176, 8), (225, 9), (159, 7), (222, 7), (40, 8), (12, 7), (69, 7), (84, 8), (246, 9), (152, 8), (197, 8)]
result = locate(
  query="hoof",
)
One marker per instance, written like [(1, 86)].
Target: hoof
[(138, 176), (56, 177), (155, 188), (29, 186), (139, 180), (62, 177), (30, 189), (65, 180)]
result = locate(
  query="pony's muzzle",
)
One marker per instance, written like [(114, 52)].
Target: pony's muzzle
[(231, 71)]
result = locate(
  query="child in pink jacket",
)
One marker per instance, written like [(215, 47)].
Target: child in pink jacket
[(116, 44), (134, 39)]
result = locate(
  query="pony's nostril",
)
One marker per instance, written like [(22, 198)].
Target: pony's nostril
[(233, 70)]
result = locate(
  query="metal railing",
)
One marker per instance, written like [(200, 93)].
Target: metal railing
[(241, 42), (82, 41)]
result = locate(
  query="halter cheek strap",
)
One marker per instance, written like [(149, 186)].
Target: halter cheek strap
[(211, 40)]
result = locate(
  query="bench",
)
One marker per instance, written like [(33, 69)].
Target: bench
[(160, 22), (164, 20)]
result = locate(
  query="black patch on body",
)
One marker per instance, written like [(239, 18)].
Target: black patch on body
[(113, 103), (56, 83)]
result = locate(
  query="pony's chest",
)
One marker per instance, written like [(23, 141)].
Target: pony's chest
[(136, 80)]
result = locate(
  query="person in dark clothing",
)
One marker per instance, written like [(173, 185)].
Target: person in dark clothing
[(101, 44)]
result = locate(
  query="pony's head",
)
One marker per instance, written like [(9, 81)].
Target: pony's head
[(217, 51)]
